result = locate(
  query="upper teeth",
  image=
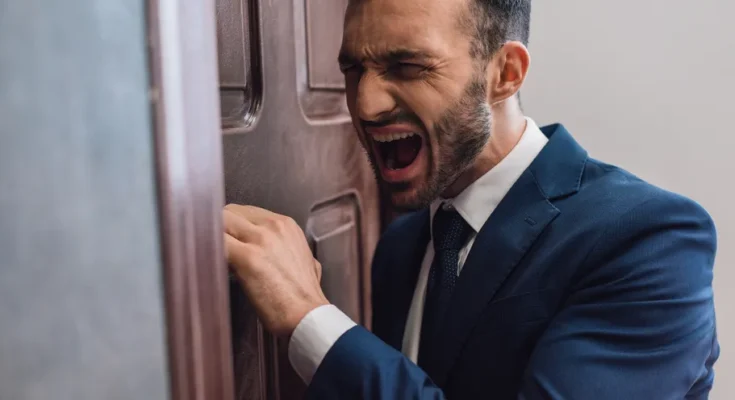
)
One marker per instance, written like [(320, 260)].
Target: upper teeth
[(392, 136)]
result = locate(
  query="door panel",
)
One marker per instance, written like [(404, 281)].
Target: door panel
[(333, 229), (238, 59), (323, 19), (289, 146)]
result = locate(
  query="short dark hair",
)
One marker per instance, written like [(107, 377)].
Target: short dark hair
[(494, 22)]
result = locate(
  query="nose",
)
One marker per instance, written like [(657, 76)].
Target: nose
[(373, 97)]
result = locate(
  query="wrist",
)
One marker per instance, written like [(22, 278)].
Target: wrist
[(314, 337), (301, 312)]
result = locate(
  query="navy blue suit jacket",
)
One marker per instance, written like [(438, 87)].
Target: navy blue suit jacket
[(585, 283)]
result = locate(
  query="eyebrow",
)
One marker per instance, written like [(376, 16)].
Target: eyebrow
[(390, 57)]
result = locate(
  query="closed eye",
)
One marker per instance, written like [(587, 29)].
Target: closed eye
[(407, 71)]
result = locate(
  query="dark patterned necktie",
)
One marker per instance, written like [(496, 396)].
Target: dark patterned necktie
[(450, 233)]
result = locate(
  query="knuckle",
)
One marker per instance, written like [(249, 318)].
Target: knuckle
[(291, 225), (279, 224), (232, 207), (261, 236)]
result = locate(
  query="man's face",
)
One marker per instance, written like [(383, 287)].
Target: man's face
[(417, 98)]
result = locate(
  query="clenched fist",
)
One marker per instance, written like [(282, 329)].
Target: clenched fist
[(274, 264)]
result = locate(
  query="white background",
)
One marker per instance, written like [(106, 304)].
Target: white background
[(647, 85)]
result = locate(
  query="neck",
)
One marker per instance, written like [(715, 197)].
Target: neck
[(507, 127)]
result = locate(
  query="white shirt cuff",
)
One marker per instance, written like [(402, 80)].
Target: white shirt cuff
[(317, 332)]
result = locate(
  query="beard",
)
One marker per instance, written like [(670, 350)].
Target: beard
[(461, 133)]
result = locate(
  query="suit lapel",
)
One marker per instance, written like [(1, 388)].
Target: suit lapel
[(405, 267), (505, 238)]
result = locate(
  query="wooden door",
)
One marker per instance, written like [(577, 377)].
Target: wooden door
[(289, 146)]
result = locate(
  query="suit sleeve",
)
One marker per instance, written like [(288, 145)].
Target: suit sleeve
[(640, 323), (361, 366)]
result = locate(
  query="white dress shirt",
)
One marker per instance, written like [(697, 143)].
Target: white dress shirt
[(323, 326)]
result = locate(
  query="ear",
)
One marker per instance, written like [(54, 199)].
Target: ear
[(507, 71)]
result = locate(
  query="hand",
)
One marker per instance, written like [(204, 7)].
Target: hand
[(274, 264)]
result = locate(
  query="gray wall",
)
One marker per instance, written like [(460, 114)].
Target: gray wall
[(81, 310), (648, 85)]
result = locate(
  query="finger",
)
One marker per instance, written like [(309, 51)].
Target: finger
[(239, 255), (318, 269), (232, 246), (239, 227), (226, 246), (255, 215)]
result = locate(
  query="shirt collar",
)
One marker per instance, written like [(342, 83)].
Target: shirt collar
[(478, 201)]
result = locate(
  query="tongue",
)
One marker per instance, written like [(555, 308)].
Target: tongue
[(399, 154), (406, 152)]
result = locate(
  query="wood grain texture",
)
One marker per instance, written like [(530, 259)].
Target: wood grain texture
[(291, 148)]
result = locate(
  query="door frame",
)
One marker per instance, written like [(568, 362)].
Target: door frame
[(185, 101)]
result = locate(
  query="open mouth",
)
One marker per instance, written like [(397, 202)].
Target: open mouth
[(398, 151)]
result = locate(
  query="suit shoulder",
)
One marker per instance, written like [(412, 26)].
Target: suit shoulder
[(621, 211), (615, 214), (620, 193)]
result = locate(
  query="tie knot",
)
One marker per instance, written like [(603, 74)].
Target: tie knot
[(450, 230)]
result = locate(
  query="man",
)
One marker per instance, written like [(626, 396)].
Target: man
[(528, 269)]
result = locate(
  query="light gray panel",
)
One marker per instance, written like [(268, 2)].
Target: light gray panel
[(81, 310), (648, 85)]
